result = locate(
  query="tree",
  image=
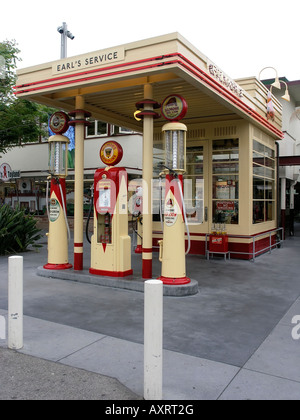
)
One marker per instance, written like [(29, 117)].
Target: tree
[(21, 121), (9, 57)]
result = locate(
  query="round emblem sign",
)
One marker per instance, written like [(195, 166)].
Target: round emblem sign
[(174, 108), (59, 122), (5, 171), (111, 153)]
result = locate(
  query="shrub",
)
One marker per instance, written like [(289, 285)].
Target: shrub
[(17, 231)]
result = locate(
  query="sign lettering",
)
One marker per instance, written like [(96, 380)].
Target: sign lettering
[(86, 61), (6, 173), (222, 78)]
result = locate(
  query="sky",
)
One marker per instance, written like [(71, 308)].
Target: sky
[(241, 38)]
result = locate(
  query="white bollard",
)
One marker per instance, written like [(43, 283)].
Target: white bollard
[(15, 302), (153, 339)]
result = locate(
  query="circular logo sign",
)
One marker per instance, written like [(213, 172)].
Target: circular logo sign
[(5, 171), (174, 108), (111, 153), (59, 122)]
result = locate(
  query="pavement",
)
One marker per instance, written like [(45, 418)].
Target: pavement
[(230, 341)]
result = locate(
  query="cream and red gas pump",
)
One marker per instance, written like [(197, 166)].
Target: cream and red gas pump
[(172, 248), (58, 167), (110, 242)]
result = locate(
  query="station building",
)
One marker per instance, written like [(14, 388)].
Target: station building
[(232, 153)]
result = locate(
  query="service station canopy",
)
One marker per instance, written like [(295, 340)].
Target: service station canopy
[(112, 82)]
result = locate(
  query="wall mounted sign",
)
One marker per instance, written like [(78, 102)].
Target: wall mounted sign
[(174, 108), (6, 173), (225, 80), (86, 61), (111, 153), (58, 122)]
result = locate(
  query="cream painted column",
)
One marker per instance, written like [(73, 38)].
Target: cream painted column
[(78, 184), (147, 178)]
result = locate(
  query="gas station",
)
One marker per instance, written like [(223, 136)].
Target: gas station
[(206, 137)]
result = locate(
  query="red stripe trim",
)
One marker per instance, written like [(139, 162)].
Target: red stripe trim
[(147, 249), (78, 244), (50, 266), (147, 269), (161, 57), (78, 261), (187, 64), (99, 76), (110, 273)]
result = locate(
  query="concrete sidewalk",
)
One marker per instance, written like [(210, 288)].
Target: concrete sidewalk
[(233, 340)]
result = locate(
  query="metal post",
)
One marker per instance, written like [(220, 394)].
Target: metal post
[(63, 48), (153, 337), (15, 302), (147, 193), (63, 30)]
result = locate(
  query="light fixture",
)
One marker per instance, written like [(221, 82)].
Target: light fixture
[(286, 95), (276, 84)]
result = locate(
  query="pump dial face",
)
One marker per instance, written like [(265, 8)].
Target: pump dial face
[(174, 108), (111, 153), (59, 122)]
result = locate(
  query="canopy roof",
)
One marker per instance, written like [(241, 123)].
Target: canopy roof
[(113, 80)]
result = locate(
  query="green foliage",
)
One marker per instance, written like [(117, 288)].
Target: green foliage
[(9, 57), (17, 231), (21, 121)]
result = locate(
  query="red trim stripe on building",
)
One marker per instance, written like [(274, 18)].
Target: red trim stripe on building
[(182, 61)]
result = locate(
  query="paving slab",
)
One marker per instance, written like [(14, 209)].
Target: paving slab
[(250, 385), (278, 355)]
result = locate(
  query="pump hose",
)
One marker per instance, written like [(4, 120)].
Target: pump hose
[(185, 219), (65, 211), (160, 204), (47, 199), (88, 220)]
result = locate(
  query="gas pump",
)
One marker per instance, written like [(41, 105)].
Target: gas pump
[(172, 248), (58, 167), (138, 213), (110, 242)]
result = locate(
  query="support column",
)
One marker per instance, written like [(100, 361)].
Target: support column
[(147, 192), (79, 123), (147, 114)]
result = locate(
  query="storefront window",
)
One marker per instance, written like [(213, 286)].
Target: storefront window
[(263, 183), (194, 185), (96, 128), (225, 181)]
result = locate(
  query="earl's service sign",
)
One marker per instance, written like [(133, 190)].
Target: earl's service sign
[(88, 61)]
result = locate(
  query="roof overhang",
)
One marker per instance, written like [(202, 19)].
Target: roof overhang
[(113, 80)]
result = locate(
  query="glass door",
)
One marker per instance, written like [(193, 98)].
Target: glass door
[(196, 185)]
